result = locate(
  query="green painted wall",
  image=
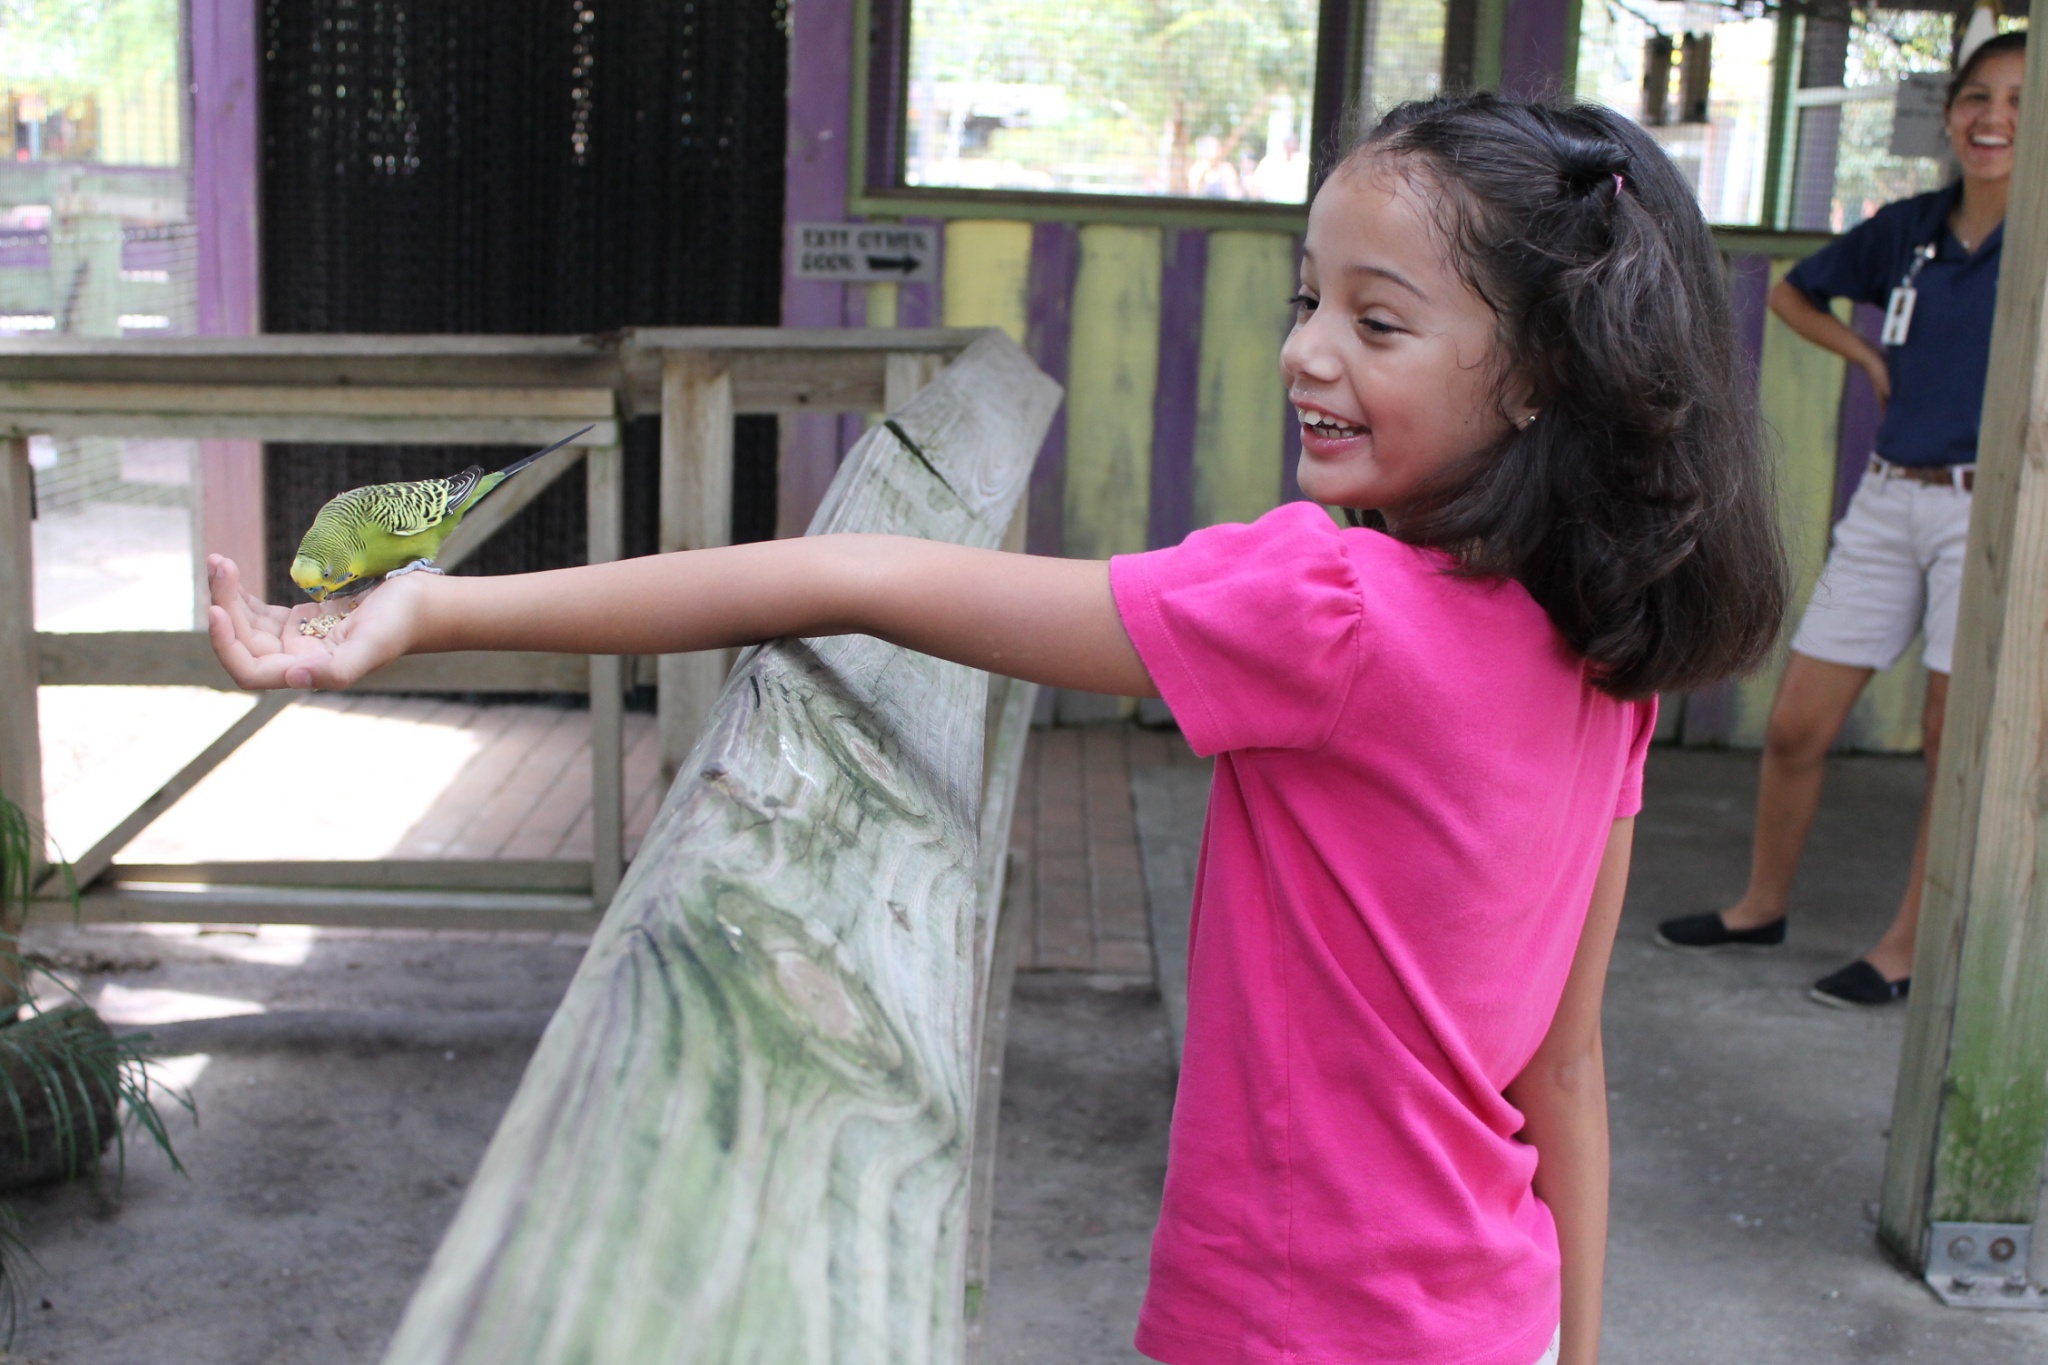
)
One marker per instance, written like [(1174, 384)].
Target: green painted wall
[(1113, 370), (1242, 402)]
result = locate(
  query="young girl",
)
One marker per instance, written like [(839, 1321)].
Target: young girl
[(1512, 351)]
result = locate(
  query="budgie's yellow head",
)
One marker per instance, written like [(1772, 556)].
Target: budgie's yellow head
[(321, 578)]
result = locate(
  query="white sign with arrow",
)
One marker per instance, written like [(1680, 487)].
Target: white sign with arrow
[(862, 253)]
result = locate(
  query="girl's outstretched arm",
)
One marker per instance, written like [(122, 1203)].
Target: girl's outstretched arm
[(1028, 616), (1562, 1094)]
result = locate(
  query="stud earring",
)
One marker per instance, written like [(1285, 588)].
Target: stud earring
[(1527, 419)]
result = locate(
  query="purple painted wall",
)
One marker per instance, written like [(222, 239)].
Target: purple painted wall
[(1860, 416), (227, 72), (1177, 397), (1534, 46), (226, 159), (820, 112), (1048, 337), (917, 303), (1749, 288)]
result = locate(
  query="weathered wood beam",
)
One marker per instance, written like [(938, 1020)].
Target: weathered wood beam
[(605, 541), (368, 361), (252, 400), (904, 375), (185, 658), (999, 938), (340, 429), (1971, 1115), (696, 514), (329, 907), (746, 1134), (785, 369), (382, 874)]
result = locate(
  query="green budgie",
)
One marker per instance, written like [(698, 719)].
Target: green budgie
[(391, 528)]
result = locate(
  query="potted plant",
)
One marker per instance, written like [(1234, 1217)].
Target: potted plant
[(65, 1078)]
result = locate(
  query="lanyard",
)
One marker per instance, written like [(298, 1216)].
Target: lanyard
[(1898, 312)]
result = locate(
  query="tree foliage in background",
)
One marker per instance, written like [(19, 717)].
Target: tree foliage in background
[(1170, 70), (66, 47)]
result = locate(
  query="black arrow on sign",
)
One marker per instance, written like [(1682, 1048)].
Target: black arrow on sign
[(906, 264)]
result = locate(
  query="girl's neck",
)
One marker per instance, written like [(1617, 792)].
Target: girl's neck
[(1979, 211)]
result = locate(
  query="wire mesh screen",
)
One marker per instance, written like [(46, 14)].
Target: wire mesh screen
[(1401, 52), (530, 166), (1697, 74), (1865, 98), (1178, 98), (96, 239), (1851, 77)]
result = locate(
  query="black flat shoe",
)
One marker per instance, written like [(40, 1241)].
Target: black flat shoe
[(1707, 933), (1858, 986)]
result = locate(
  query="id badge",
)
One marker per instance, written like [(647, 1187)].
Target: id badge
[(1898, 315)]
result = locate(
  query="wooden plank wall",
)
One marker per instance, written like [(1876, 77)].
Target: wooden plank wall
[(1168, 341)]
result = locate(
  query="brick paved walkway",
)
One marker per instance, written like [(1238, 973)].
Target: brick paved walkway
[(1074, 848)]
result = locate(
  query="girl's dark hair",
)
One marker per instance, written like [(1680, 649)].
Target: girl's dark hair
[(1636, 508), (1990, 47)]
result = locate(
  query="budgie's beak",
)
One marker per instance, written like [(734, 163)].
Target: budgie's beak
[(316, 580)]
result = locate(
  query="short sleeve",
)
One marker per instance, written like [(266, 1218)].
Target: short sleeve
[(1251, 632), (1861, 264), (1630, 801)]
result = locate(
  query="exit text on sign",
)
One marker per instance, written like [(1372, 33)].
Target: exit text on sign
[(862, 253)]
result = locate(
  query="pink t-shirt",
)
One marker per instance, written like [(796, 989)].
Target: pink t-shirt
[(1414, 788)]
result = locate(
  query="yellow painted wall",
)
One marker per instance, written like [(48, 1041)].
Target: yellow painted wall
[(1242, 404), (1113, 372), (988, 275)]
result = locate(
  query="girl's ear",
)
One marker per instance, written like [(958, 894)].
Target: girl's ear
[(1519, 401)]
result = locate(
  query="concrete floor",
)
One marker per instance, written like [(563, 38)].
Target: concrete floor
[(346, 1085)]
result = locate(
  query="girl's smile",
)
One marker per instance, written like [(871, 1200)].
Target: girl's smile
[(1392, 365)]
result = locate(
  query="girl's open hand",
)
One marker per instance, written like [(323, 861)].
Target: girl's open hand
[(262, 646)]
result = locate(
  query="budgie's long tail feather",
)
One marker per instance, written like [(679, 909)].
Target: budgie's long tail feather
[(523, 461)]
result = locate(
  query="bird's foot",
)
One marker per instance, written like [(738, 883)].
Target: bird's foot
[(418, 565)]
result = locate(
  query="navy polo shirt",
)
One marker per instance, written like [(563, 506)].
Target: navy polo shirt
[(1938, 375)]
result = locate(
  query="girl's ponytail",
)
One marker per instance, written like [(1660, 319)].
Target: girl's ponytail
[(1636, 507)]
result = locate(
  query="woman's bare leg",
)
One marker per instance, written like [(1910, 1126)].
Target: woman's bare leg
[(1813, 700), (1893, 955)]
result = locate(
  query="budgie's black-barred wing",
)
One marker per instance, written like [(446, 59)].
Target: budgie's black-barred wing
[(408, 509)]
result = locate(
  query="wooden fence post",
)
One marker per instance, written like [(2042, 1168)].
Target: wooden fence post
[(21, 746), (604, 483), (905, 373), (696, 514), (1963, 1174)]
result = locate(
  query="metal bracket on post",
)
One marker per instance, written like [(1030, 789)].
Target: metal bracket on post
[(1983, 1265)]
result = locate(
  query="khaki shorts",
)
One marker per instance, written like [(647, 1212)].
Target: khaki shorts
[(1895, 569)]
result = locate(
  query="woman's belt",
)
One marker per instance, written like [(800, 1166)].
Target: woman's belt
[(1962, 477)]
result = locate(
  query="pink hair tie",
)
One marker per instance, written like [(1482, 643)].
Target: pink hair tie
[(1619, 183)]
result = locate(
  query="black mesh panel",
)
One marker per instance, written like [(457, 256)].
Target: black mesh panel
[(522, 166)]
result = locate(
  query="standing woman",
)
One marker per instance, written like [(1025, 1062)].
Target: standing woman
[(1896, 563)]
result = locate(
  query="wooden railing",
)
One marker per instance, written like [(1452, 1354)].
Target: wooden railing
[(389, 390), (760, 1125)]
